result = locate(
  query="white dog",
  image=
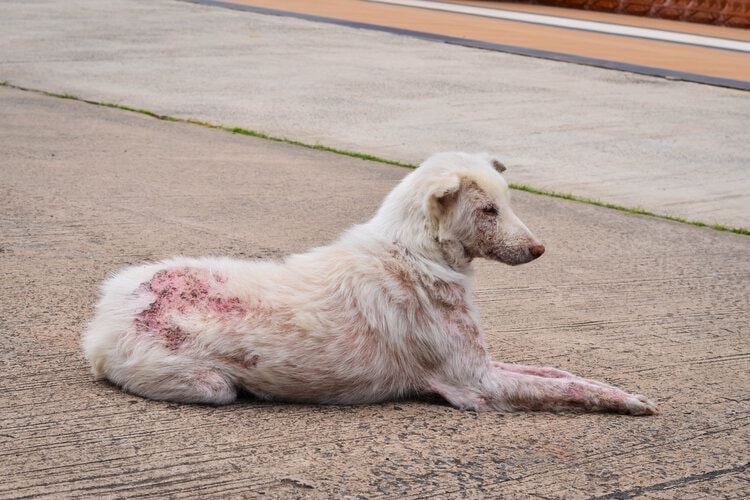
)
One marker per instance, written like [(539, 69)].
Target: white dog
[(385, 312)]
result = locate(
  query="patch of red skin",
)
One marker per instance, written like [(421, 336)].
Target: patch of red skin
[(182, 291), (615, 398), (575, 392), (595, 398)]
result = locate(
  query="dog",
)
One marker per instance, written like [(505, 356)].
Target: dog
[(383, 313)]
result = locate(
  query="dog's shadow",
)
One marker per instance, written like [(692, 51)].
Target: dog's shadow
[(245, 398)]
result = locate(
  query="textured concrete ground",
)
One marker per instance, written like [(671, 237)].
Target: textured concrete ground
[(653, 306), (670, 147)]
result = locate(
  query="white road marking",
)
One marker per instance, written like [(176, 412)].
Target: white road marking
[(562, 22)]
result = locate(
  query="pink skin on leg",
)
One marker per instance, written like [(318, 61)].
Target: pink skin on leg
[(546, 372), (516, 388), (541, 393)]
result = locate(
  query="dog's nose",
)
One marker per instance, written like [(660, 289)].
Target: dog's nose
[(536, 250)]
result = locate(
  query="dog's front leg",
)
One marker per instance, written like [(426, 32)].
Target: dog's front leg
[(505, 390), (546, 372), (536, 392)]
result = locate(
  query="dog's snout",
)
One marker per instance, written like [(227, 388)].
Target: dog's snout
[(536, 250)]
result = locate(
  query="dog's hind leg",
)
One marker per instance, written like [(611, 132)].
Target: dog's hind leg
[(205, 386)]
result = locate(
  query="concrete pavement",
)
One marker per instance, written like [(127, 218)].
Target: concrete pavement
[(653, 306), (670, 147)]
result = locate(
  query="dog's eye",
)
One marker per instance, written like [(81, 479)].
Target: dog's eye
[(490, 210)]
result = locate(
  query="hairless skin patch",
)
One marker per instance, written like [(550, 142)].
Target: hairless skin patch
[(182, 292)]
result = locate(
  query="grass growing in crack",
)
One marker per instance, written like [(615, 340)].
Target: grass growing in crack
[(317, 147), (368, 157), (64, 96), (636, 211), (146, 112)]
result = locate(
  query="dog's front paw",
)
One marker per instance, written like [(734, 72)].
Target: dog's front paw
[(635, 404)]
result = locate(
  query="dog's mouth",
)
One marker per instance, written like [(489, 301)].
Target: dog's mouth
[(515, 256)]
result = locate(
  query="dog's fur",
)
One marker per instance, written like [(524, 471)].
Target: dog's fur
[(385, 312)]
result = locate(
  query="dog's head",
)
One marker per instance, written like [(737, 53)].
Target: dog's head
[(468, 204)]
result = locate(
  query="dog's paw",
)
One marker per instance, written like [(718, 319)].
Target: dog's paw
[(640, 405)]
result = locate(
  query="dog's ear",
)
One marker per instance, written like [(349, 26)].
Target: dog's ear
[(442, 193), (492, 160), (498, 166)]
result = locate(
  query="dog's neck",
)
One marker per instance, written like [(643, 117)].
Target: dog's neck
[(419, 236), (431, 268)]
